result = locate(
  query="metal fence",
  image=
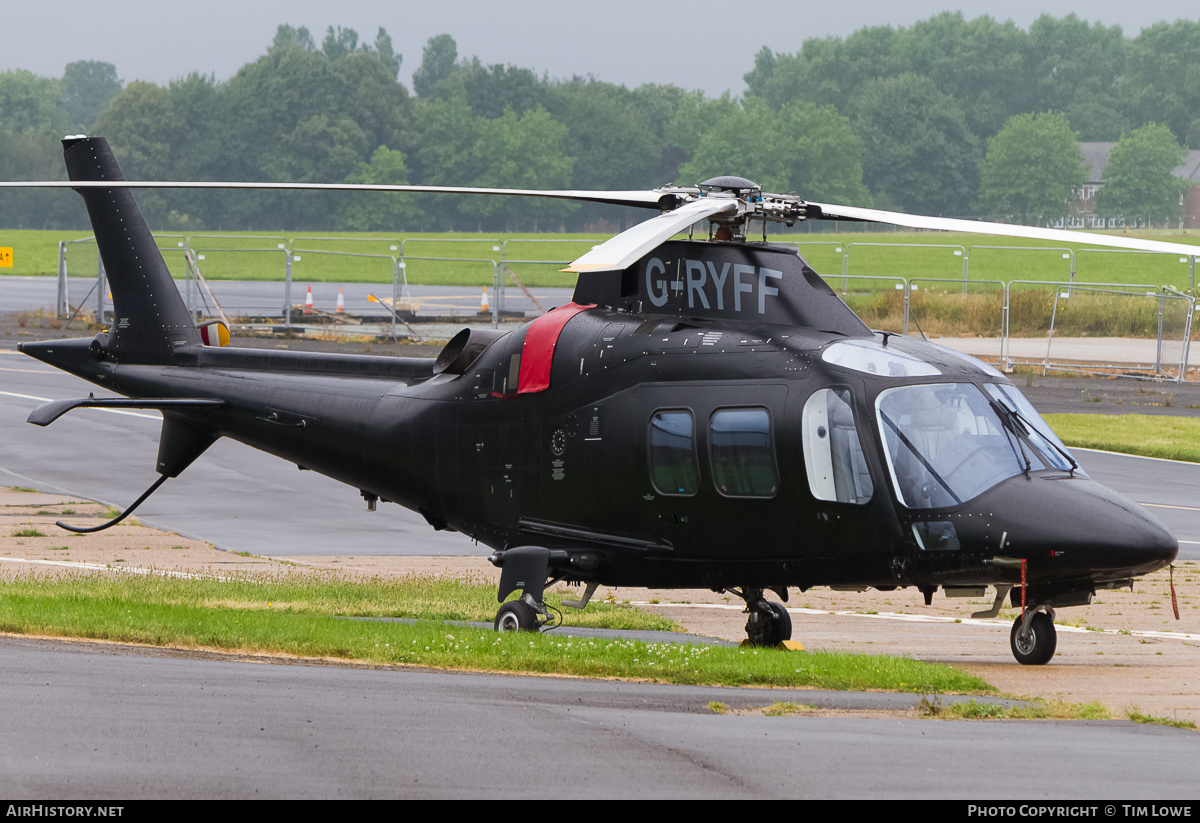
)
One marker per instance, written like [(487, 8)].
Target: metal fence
[(1020, 321)]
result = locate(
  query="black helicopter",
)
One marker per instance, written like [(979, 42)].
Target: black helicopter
[(704, 413)]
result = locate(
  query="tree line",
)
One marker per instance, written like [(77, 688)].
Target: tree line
[(949, 116)]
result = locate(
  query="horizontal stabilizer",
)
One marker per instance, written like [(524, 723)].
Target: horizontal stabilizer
[(46, 414)]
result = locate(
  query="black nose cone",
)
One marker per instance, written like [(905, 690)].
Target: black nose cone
[(1075, 527)]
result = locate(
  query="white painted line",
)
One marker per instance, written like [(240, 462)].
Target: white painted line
[(93, 566), (930, 618), (154, 416), (26, 397), (129, 569), (1135, 456)]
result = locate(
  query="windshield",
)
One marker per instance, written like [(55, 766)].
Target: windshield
[(946, 443)]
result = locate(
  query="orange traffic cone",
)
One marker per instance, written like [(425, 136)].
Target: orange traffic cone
[(483, 303), (308, 304), (341, 306)]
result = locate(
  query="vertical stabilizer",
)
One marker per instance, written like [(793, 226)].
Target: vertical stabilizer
[(150, 320)]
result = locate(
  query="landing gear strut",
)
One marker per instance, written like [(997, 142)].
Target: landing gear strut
[(524, 568), (1033, 638)]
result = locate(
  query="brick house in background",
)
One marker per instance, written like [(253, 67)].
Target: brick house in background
[(1083, 208)]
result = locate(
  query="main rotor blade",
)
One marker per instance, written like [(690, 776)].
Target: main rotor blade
[(917, 221), (652, 199), (621, 251)]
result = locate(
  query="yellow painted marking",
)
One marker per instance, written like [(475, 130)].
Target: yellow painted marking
[(31, 371), (1166, 506)]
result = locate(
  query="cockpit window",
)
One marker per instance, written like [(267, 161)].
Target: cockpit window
[(946, 444), (833, 455)]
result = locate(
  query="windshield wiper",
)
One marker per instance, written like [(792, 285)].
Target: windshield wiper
[(1010, 423), (1014, 417)]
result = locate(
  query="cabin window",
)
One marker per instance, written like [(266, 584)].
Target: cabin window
[(743, 453), (673, 468), (833, 455)]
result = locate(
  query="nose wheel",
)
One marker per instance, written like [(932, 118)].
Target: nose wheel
[(768, 623), (769, 626), (1033, 638)]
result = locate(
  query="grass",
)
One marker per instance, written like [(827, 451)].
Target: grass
[(873, 261), (297, 614), (1037, 709), (1136, 716), (885, 254), (904, 254), (1174, 438), (328, 257), (320, 594), (783, 709), (947, 311)]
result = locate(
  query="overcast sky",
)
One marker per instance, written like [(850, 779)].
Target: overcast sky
[(704, 44)]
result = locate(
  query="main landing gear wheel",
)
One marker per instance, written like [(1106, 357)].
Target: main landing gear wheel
[(1037, 647), (516, 616), (769, 625)]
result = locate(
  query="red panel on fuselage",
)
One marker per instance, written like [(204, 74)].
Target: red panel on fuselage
[(537, 353)]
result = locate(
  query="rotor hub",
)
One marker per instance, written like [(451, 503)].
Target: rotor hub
[(753, 204), (739, 186)]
